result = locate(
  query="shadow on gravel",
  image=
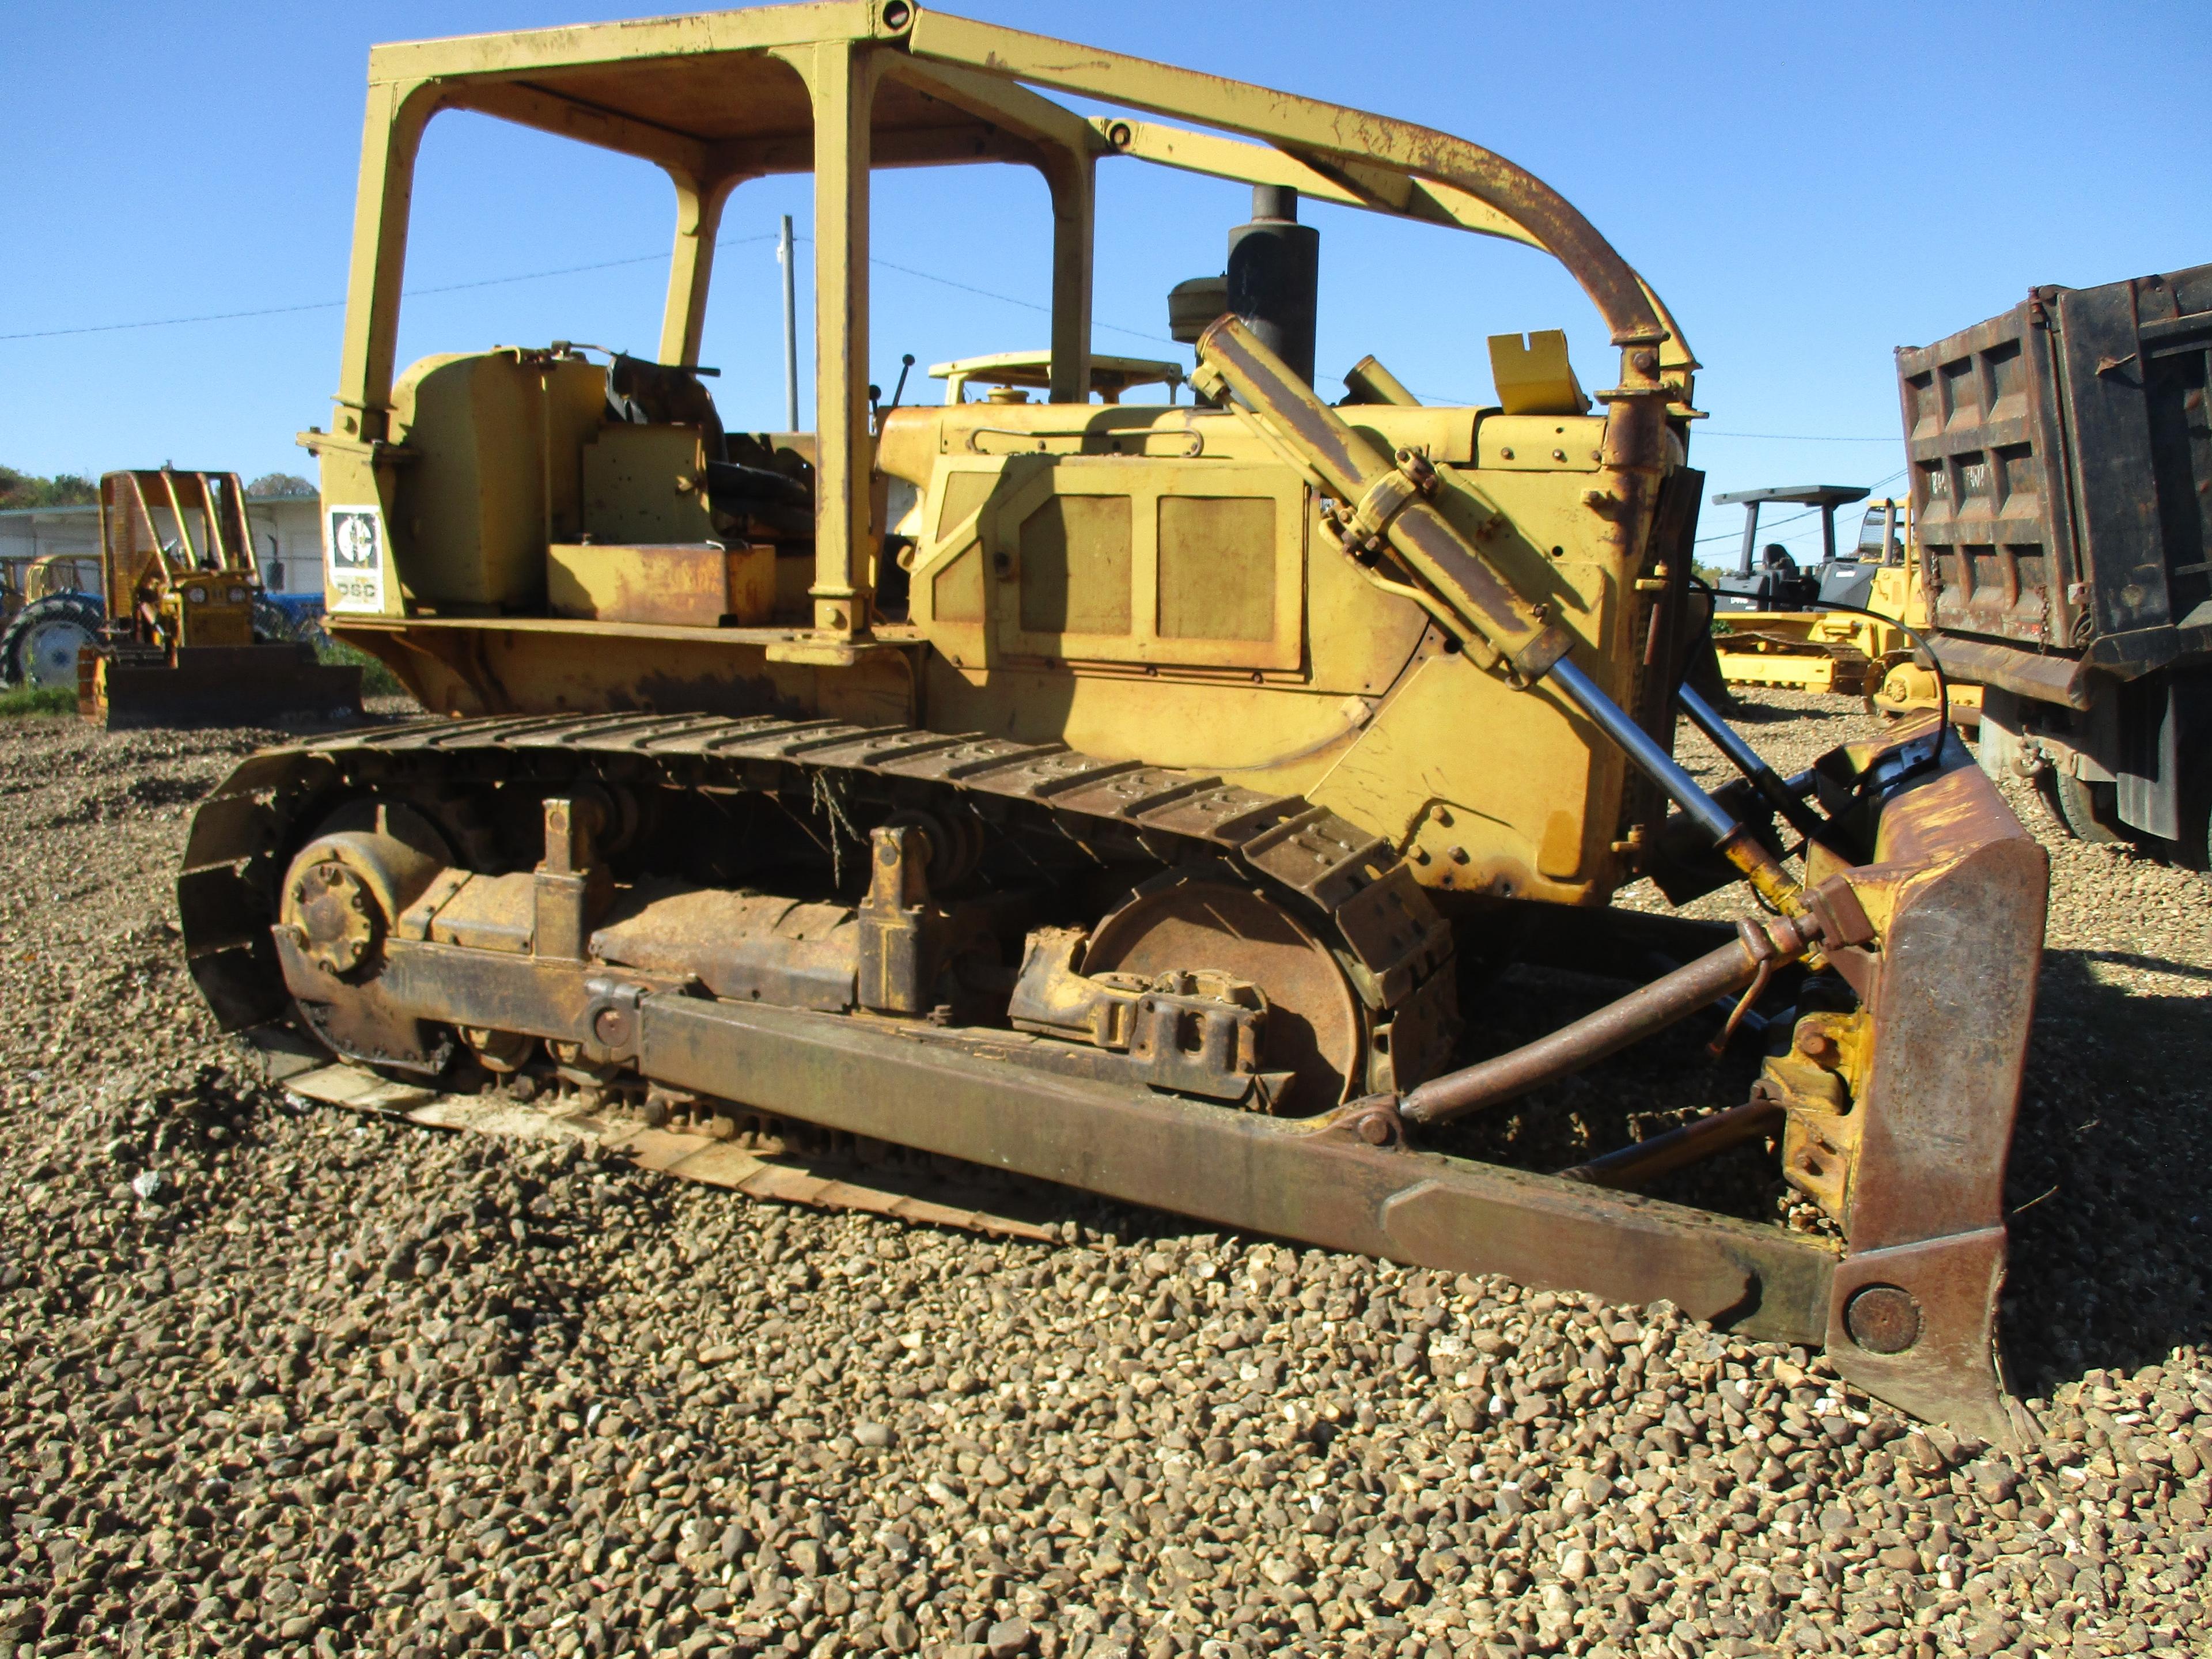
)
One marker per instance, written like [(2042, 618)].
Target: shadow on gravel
[(2112, 1229), (1647, 1089), (1742, 712), (150, 791), (2147, 964), (1766, 715)]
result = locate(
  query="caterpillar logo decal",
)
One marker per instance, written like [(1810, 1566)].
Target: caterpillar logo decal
[(355, 550)]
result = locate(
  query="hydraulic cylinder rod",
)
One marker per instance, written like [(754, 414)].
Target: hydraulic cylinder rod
[(1642, 749), (1747, 760), (1386, 496)]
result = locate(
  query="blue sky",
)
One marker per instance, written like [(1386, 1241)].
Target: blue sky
[(1808, 187)]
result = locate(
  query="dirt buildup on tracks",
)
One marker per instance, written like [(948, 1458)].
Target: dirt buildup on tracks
[(276, 1379)]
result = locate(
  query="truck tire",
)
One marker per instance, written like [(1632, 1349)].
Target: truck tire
[(39, 649), (2085, 809)]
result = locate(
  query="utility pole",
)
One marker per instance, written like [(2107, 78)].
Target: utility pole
[(783, 252)]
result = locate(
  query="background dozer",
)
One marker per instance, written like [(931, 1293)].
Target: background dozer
[(1180, 833), (187, 637), (1851, 626)]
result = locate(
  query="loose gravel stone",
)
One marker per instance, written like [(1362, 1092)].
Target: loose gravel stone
[(285, 1381)]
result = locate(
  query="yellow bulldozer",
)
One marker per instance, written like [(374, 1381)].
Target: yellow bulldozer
[(184, 633), (1852, 627), (1155, 805)]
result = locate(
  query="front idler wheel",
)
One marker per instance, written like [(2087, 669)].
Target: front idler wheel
[(344, 893)]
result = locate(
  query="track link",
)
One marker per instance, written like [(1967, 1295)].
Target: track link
[(1390, 941)]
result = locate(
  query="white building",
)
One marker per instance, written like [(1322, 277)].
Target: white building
[(288, 537)]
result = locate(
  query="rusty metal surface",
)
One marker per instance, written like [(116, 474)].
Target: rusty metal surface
[(1314, 855), (1666, 1001), (1314, 1179), (1638, 1166), (682, 584), (1314, 1024), (1939, 1298), (2028, 673), (1959, 888), (750, 946), (831, 1179), (1294, 1180)]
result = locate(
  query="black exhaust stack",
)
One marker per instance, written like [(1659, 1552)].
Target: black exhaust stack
[(1274, 277)]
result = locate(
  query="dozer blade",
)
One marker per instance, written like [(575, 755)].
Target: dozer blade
[(1957, 891), (215, 685)]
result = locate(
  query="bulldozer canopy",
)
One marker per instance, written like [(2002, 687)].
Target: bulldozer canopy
[(843, 86)]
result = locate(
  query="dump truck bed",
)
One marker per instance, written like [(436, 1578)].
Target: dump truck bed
[(2060, 464)]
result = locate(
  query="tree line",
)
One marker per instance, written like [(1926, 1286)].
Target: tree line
[(22, 489)]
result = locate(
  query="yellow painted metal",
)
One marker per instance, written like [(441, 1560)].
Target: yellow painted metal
[(1341, 179), (1110, 377), (1114, 554), (1907, 688), (698, 216), (1786, 671), (1374, 722), (1154, 582), (496, 442), (472, 666), (1542, 838), (646, 483), (842, 78), (1533, 375), (176, 556), (695, 585)]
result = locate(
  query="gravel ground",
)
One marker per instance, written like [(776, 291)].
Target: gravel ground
[(290, 1380)]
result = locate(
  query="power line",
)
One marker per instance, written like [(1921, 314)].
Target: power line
[(1798, 437), (538, 276), (333, 305), (741, 241), (1766, 528), (1008, 298), (173, 322)]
